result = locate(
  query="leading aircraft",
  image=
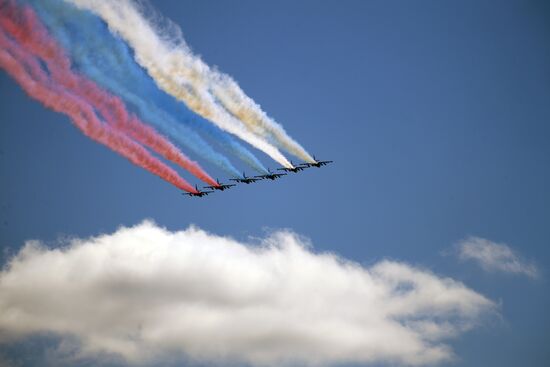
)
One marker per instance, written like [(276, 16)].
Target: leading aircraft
[(271, 175), (317, 163), (220, 186), (246, 180), (198, 193), (295, 168)]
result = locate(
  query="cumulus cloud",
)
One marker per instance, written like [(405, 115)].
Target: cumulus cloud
[(495, 257), (144, 293)]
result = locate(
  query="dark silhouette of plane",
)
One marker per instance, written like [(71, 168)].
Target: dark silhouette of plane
[(220, 186), (271, 175), (317, 163), (295, 168), (198, 193), (246, 180)]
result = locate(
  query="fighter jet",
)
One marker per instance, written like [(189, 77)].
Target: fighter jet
[(199, 193), (317, 163), (246, 180), (271, 175), (220, 186), (295, 168)]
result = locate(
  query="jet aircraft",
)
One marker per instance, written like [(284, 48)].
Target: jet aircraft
[(271, 175), (295, 168), (199, 193), (317, 163), (244, 179), (220, 186)]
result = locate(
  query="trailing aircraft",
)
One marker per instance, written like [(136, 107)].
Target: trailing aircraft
[(199, 193), (295, 168), (220, 186), (317, 163), (246, 180), (271, 175)]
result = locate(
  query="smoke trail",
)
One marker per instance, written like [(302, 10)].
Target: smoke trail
[(226, 91), (163, 62), (26, 70), (107, 61), (232, 97), (27, 30), (147, 111)]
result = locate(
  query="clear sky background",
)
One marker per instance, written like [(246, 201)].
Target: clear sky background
[(436, 113)]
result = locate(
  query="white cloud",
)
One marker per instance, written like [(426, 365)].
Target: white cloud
[(495, 257), (145, 293)]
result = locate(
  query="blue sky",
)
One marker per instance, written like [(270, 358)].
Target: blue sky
[(436, 115)]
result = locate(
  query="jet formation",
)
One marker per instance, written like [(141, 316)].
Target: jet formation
[(248, 180)]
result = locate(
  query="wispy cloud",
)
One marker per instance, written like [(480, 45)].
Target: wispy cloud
[(495, 257), (146, 294)]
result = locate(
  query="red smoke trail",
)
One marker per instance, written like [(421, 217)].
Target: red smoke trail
[(25, 69), (24, 26)]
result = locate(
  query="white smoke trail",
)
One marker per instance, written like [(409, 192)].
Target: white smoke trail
[(174, 68), (232, 97)]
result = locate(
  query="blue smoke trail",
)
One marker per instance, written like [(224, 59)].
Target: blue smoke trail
[(108, 61)]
